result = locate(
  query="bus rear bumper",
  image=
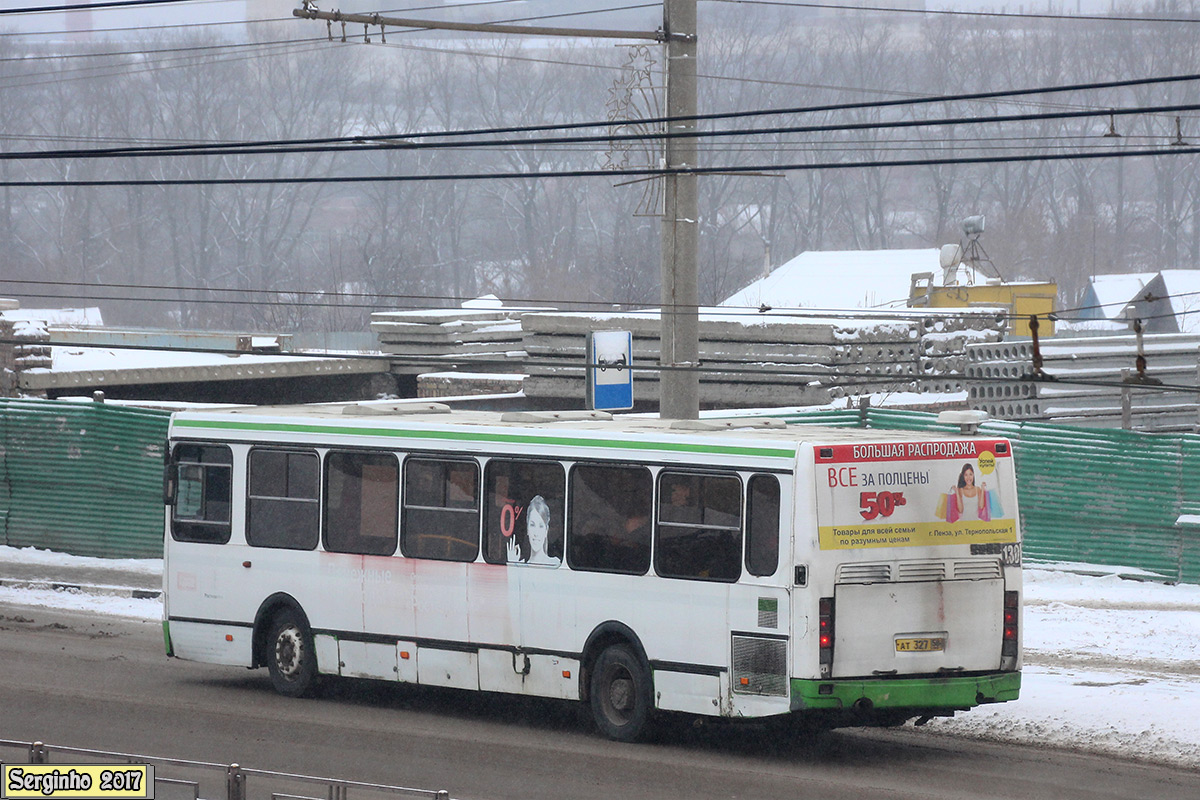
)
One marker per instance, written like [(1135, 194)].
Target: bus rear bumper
[(920, 694)]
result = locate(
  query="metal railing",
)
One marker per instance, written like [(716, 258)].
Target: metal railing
[(280, 785)]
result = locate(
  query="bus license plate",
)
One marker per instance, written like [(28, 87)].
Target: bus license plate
[(920, 645)]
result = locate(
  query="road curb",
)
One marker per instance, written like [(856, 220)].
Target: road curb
[(82, 588)]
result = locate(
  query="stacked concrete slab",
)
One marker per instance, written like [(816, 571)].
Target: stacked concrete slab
[(1087, 380), (420, 339), (749, 359)]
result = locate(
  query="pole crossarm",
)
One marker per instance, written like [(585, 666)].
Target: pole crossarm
[(308, 12)]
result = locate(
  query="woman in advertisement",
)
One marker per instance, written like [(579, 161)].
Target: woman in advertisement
[(532, 547), (972, 499)]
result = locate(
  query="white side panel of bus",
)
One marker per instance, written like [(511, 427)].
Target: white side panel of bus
[(367, 660), (869, 618), (690, 693), (388, 596), (493, 595), (553, 676), (452, 668), (547, 611), (440, 600), (198, 641)]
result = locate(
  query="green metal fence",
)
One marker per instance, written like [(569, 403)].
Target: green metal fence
[(86, 478), (1110, 497), (82, 478)]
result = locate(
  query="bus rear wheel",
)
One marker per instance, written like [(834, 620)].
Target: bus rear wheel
[(291, 659), (620, 694)]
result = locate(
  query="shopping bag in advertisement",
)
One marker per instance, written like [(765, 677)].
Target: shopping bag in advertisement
[(953, 512), (940, 511), (993, 501), (984, 511)]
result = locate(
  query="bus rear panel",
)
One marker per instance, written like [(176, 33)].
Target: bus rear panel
[(915, 580)]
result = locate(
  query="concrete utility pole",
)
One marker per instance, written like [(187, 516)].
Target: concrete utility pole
[(679, 381)]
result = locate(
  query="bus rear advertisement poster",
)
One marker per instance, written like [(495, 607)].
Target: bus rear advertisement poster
[(905, 494)]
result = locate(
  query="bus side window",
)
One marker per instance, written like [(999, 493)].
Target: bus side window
[(204, 494), (762, 528), (699, 527), (441, 509), (362, 493), (524, 511), (283, 502), (609, 521)]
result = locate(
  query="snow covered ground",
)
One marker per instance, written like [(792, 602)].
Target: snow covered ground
[(1111, 665)]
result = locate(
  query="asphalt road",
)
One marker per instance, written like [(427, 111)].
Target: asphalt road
[(79, 680)]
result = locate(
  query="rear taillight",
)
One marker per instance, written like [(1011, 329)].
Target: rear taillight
[(825, 635), (1012, 616)]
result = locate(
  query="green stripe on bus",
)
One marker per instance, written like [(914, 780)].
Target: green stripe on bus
[(505, 438), (916, 693)]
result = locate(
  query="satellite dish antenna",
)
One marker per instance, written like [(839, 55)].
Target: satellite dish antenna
[(950, 257)]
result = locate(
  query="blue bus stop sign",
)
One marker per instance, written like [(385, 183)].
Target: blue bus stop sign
[(609, 377)]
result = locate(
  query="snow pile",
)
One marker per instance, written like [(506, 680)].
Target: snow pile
[(1111, 666)]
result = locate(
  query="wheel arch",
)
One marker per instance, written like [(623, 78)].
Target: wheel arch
[(267, 612), (602, 636)]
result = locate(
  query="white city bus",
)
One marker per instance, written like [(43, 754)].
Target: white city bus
[(731, 569)]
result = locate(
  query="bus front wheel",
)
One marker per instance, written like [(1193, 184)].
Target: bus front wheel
[(620, 694), (291, 659)]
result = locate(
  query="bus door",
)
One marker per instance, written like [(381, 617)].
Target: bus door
[(439, 535), (760, 603), (530, 610)]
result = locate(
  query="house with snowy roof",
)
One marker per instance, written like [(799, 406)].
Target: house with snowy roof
[(1167, 301), (840, 279)]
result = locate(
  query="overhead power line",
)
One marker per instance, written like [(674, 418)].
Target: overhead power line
[(955, 13), (369, 143), (643, 172), (336, 299), (95, 6), (877, 104)]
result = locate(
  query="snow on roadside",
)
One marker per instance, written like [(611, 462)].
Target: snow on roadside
[(1112, 666), (74, 600), (1130, 715), (34, 556)]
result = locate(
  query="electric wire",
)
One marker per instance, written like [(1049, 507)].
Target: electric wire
[(369, 143), (626, 306), (1034, 15), (1011, 93), (21, 82), (102, 4), (754, 170)]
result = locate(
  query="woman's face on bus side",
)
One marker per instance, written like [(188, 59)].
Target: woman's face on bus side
[(969, 476), (537, 528)]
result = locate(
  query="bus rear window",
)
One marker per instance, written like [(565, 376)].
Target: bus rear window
[(610, 519), (203, 495), (762, 527), (699, 527), (441, 509)]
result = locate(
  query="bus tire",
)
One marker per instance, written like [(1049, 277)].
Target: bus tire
[(291, 659), (620, 694)]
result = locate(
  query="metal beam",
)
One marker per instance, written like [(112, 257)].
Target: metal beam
[(474, 27)]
